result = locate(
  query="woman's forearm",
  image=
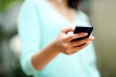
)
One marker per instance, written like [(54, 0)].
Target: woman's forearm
[(63, 43), (44, 56)]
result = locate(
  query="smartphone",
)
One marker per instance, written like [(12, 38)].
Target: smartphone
[(79, 29)]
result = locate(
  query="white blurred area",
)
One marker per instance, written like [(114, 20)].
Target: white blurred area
[(15, 45)]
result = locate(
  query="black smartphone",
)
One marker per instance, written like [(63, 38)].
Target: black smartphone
[(79, 29)]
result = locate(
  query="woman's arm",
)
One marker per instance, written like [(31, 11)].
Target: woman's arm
[(33, 58), (61, 44)]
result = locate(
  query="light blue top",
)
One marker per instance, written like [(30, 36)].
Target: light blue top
[(39, 23)]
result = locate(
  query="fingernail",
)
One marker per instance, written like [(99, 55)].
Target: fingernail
[(85, 34), (92, 38)]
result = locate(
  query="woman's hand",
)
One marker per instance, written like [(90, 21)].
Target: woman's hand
[(64, 44)]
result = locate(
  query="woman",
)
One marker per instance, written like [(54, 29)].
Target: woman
[(47, 50)]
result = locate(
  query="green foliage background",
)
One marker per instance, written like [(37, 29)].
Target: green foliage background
[(4, 4)]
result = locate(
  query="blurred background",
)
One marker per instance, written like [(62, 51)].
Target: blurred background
[(102, 14)]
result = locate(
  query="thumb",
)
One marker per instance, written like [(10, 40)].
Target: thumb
[(68, 29)]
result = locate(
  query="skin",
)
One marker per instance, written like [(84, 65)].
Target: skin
[(63, 9), (62, 43)]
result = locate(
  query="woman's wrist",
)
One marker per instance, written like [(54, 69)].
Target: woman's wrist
[(43, 57), (54, 47)]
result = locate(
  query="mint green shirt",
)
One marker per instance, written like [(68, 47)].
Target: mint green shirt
[(39, 23)]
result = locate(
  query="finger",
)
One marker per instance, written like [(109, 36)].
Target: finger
[(79, 35), (76, 49), (81, 42), (69, 38), (67, 29)]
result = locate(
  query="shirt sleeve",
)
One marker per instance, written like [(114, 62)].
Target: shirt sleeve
[(30, 34)]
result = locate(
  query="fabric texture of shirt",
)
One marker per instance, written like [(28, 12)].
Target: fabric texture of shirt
[(39, 23)]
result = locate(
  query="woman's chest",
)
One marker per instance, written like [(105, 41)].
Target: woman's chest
[(51, 25)]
